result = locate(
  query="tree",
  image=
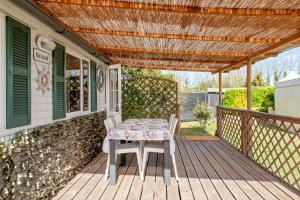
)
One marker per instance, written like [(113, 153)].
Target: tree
[(277, 75), (258, 80)]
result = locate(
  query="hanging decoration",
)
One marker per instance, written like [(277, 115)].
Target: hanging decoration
[(42, 60), (100, 78)]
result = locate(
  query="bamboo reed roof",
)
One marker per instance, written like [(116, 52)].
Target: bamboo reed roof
[(191, 35)]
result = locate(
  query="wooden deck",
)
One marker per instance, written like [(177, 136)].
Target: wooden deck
[(207, 170)]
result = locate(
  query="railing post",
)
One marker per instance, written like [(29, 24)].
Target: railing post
[(219, 134), (244, 133)]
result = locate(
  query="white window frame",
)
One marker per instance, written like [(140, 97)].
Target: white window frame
[(81, 58), (2, 71), (89, 88)]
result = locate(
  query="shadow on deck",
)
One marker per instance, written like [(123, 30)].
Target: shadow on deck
[(207, 170)]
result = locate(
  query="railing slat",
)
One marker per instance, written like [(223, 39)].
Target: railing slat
[(272, 141)]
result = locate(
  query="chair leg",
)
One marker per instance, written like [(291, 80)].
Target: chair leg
[(139, 159), (145, 158), (106, 169), (175, 166)]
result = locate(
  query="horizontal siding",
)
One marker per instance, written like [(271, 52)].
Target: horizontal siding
[(41, 104)]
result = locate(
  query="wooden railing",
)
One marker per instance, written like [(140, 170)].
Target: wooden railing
[(272, 141)]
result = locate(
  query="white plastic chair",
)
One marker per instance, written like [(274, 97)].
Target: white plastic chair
[(116, 121), (120, 148), (159, 148), (172, 116)]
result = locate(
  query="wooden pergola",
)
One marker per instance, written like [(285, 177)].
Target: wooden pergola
[(210, 36)]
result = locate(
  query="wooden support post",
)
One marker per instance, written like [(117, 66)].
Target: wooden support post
[(220, 89), (248, 83), (247, 134), (218, 133)]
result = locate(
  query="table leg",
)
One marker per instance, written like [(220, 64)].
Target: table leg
[(123, 156), (112, 162), (167, 159)]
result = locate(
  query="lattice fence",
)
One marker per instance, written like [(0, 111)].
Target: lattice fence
[(230, 126), (149, 97), (272, 141)]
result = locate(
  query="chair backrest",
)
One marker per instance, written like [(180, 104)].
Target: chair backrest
[(116, 121), (173, 126), (108, 124), (172, 116)]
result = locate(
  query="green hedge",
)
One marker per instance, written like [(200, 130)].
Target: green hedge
[(262, 98)]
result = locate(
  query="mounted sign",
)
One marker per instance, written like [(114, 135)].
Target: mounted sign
[(41, 56)]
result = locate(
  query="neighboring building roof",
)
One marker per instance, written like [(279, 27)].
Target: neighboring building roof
[(292, 75), (292, 79)]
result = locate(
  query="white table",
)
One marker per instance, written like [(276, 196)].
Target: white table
[(137, 130)]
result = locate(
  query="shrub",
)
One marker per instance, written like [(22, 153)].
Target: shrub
[(261, 97), (202, 112)]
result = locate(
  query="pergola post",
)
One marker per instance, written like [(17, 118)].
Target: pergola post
[(246, 133), (248, 85), (218, 133), (220, 88)]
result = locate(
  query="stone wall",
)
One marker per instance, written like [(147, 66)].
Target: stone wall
[(42, 160)]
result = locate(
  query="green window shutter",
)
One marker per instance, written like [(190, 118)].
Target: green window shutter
[(93, 86), (58, 82), (18, 81)]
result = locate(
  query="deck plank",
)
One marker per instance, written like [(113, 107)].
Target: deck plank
[(196, 185), (251, 176), (229, 182), (184, 184), (160, 187), (111, 190), (89, 186), (213, 176), (101, 186), (207, 169), (148, 186), (126, 184), (208, 186), (272, 183), (77, 177), (70, 194), (250, 192)]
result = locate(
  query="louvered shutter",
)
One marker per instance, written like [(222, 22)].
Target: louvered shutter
[(93, 86), (18, 55), (58, 83)]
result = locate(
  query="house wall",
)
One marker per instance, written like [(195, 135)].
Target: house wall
[(287, 98), (41, 103)]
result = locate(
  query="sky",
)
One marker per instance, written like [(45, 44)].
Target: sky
[(290, 60)]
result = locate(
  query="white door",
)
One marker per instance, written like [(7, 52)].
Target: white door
[(114, 91)]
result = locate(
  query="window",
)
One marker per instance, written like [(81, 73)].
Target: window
[(73, 83), (85, 69), (113, 90)]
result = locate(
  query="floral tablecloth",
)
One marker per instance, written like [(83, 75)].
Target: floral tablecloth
[(141, 129)]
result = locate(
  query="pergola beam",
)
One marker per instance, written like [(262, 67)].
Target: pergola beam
[(167, 51), (180, 8), (170, 68), (175, 36), (167, 66), (190, 60), (266, 51)]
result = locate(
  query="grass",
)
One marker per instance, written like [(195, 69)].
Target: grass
[(194, 128)]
